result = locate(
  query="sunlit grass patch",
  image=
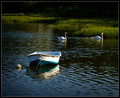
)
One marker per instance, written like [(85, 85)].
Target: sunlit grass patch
[(109, 32), (76, 27), (24, 18), (89, 27)]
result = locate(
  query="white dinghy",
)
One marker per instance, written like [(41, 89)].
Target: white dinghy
[(43, 58)]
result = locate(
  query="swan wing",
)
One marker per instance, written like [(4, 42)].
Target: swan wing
[(97, 37), (61, 38)]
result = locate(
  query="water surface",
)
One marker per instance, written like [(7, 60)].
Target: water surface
[(86, 68)]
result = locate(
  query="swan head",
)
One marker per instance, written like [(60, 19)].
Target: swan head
[(102, 33), (66, 32)]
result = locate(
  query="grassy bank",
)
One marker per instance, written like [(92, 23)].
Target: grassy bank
[(75, 27), (88, 27), (26, 18)]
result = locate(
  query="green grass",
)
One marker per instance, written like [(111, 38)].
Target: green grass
[(75, 27), (109, 32), (21, 17), (88, 27)]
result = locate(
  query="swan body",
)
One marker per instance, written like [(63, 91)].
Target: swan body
[(62, 37), (98, 37)]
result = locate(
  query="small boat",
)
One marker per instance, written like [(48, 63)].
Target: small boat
[(44, 58)]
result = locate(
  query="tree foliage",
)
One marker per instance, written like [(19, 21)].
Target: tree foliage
[(64, 9)]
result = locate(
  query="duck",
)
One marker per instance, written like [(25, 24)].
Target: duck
[(98, 37), (62, 37)]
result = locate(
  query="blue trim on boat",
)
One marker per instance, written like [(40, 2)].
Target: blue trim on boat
[(43, 69), (42, 62)]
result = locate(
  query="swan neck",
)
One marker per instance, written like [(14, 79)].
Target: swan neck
[(102, 36), (65, 35)]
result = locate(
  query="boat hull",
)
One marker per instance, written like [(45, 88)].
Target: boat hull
[(43, 60)]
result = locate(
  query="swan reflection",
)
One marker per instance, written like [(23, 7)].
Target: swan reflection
[(97, 42), (63, 43), (100, 42)]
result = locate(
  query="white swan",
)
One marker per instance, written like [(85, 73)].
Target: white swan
[(63, 38), (98, 37)]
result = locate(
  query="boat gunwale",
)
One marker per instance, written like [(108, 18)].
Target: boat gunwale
[(43, 55), (47, 55)]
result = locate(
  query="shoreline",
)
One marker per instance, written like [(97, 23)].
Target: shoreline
[(77, 27)]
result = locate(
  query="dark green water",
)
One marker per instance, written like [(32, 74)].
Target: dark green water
[(86, 68)]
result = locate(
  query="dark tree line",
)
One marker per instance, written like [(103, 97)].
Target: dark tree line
[(64, 9)]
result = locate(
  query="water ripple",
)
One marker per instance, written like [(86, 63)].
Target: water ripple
[(86, 68)]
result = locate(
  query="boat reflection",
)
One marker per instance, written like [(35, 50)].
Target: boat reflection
[(51, 72), (44, 71)]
